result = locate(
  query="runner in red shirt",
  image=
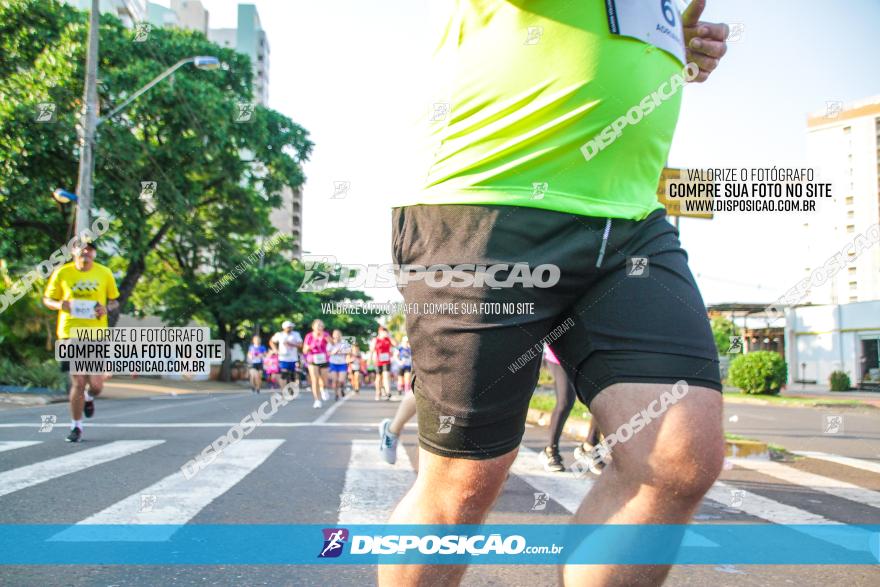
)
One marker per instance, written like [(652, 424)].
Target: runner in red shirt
[(382, 359)]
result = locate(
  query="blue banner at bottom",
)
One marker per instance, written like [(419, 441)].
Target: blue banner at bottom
[(265, 544)]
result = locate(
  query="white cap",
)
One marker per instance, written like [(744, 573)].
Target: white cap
[(287, 324)]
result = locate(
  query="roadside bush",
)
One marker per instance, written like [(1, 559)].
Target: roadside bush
[(839, 381), (32, 374), (758, 372)]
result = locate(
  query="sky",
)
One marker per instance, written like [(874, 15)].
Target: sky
[(351, 73)]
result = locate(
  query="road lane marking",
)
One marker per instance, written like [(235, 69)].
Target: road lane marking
[(14, 444), (776, 512), (564, 488), (326, 415), (821, 483), (178, 499), (374, 487), (215, 425), (862, 464), (42, 471), (762, 507), (569, 491)]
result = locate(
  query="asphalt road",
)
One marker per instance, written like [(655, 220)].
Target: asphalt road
[(322, 467)]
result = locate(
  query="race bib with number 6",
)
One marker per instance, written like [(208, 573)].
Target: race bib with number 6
[(319, 358), (384, 357), (82, 308), (656, 22)]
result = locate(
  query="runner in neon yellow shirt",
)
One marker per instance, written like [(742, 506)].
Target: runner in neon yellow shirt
[(82, 292), (551, 127), (526, 87)]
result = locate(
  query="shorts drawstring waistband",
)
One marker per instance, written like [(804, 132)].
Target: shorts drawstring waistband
[(605, 236)]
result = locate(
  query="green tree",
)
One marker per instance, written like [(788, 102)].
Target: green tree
[(185, 135), (722, 330), (246, 284)]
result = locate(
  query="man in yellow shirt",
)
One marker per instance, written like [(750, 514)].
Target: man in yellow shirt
[(82, 292)]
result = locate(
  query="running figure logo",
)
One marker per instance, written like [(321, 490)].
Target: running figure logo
[(441, 109), (736, 32), (148, 502), (346, 500), (142, 31), (45, 112), (317, 273), (334, 540), (539, 188), (833, 108), (736, 345), (833, 424), (446, 423), (541, 500), (47, 422), (245, 112), (148, 189), (533, 35), (636, 266), (736, 498), (340, 189)]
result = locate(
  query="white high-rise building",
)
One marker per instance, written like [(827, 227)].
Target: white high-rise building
[(128, 11), (249, 38), (843, 143)]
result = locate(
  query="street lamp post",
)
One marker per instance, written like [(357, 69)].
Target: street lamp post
[(90, 121), (201, 62)]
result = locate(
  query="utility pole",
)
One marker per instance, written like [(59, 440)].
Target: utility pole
[(88, 123)]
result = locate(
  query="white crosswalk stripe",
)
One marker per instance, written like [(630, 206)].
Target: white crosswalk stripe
[(762, 507), (30, 475), (14, 444), (372, 486), (564, 488), (862, 464), (821, 483), (175, 499)]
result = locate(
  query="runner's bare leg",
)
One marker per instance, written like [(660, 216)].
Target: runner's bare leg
[(446, 491), (659, 476)]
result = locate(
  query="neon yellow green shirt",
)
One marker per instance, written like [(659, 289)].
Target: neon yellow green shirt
[(527, 84)]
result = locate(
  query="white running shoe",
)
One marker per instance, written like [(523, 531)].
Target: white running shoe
[(325, 395), (387, 442), (318, 403)]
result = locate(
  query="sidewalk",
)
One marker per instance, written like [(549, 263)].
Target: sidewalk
[(127, 388), (815, 391)]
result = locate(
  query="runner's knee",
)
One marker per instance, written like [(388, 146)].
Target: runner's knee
[(463, 489)]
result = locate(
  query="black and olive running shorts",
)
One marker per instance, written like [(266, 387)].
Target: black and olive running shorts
[(623, 307)]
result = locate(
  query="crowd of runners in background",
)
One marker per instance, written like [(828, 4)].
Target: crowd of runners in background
[(330, 363)]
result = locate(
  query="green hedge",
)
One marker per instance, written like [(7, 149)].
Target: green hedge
[(32, 374), (758, 372), (839, 381)]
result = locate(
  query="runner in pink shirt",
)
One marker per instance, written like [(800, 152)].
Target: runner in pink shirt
[(315, 351)]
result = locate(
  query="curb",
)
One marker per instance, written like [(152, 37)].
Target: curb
[(30, 399), (818, 402)]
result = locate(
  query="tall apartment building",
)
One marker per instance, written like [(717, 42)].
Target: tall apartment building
[(128, 11), (843, 142), (249, 38)]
